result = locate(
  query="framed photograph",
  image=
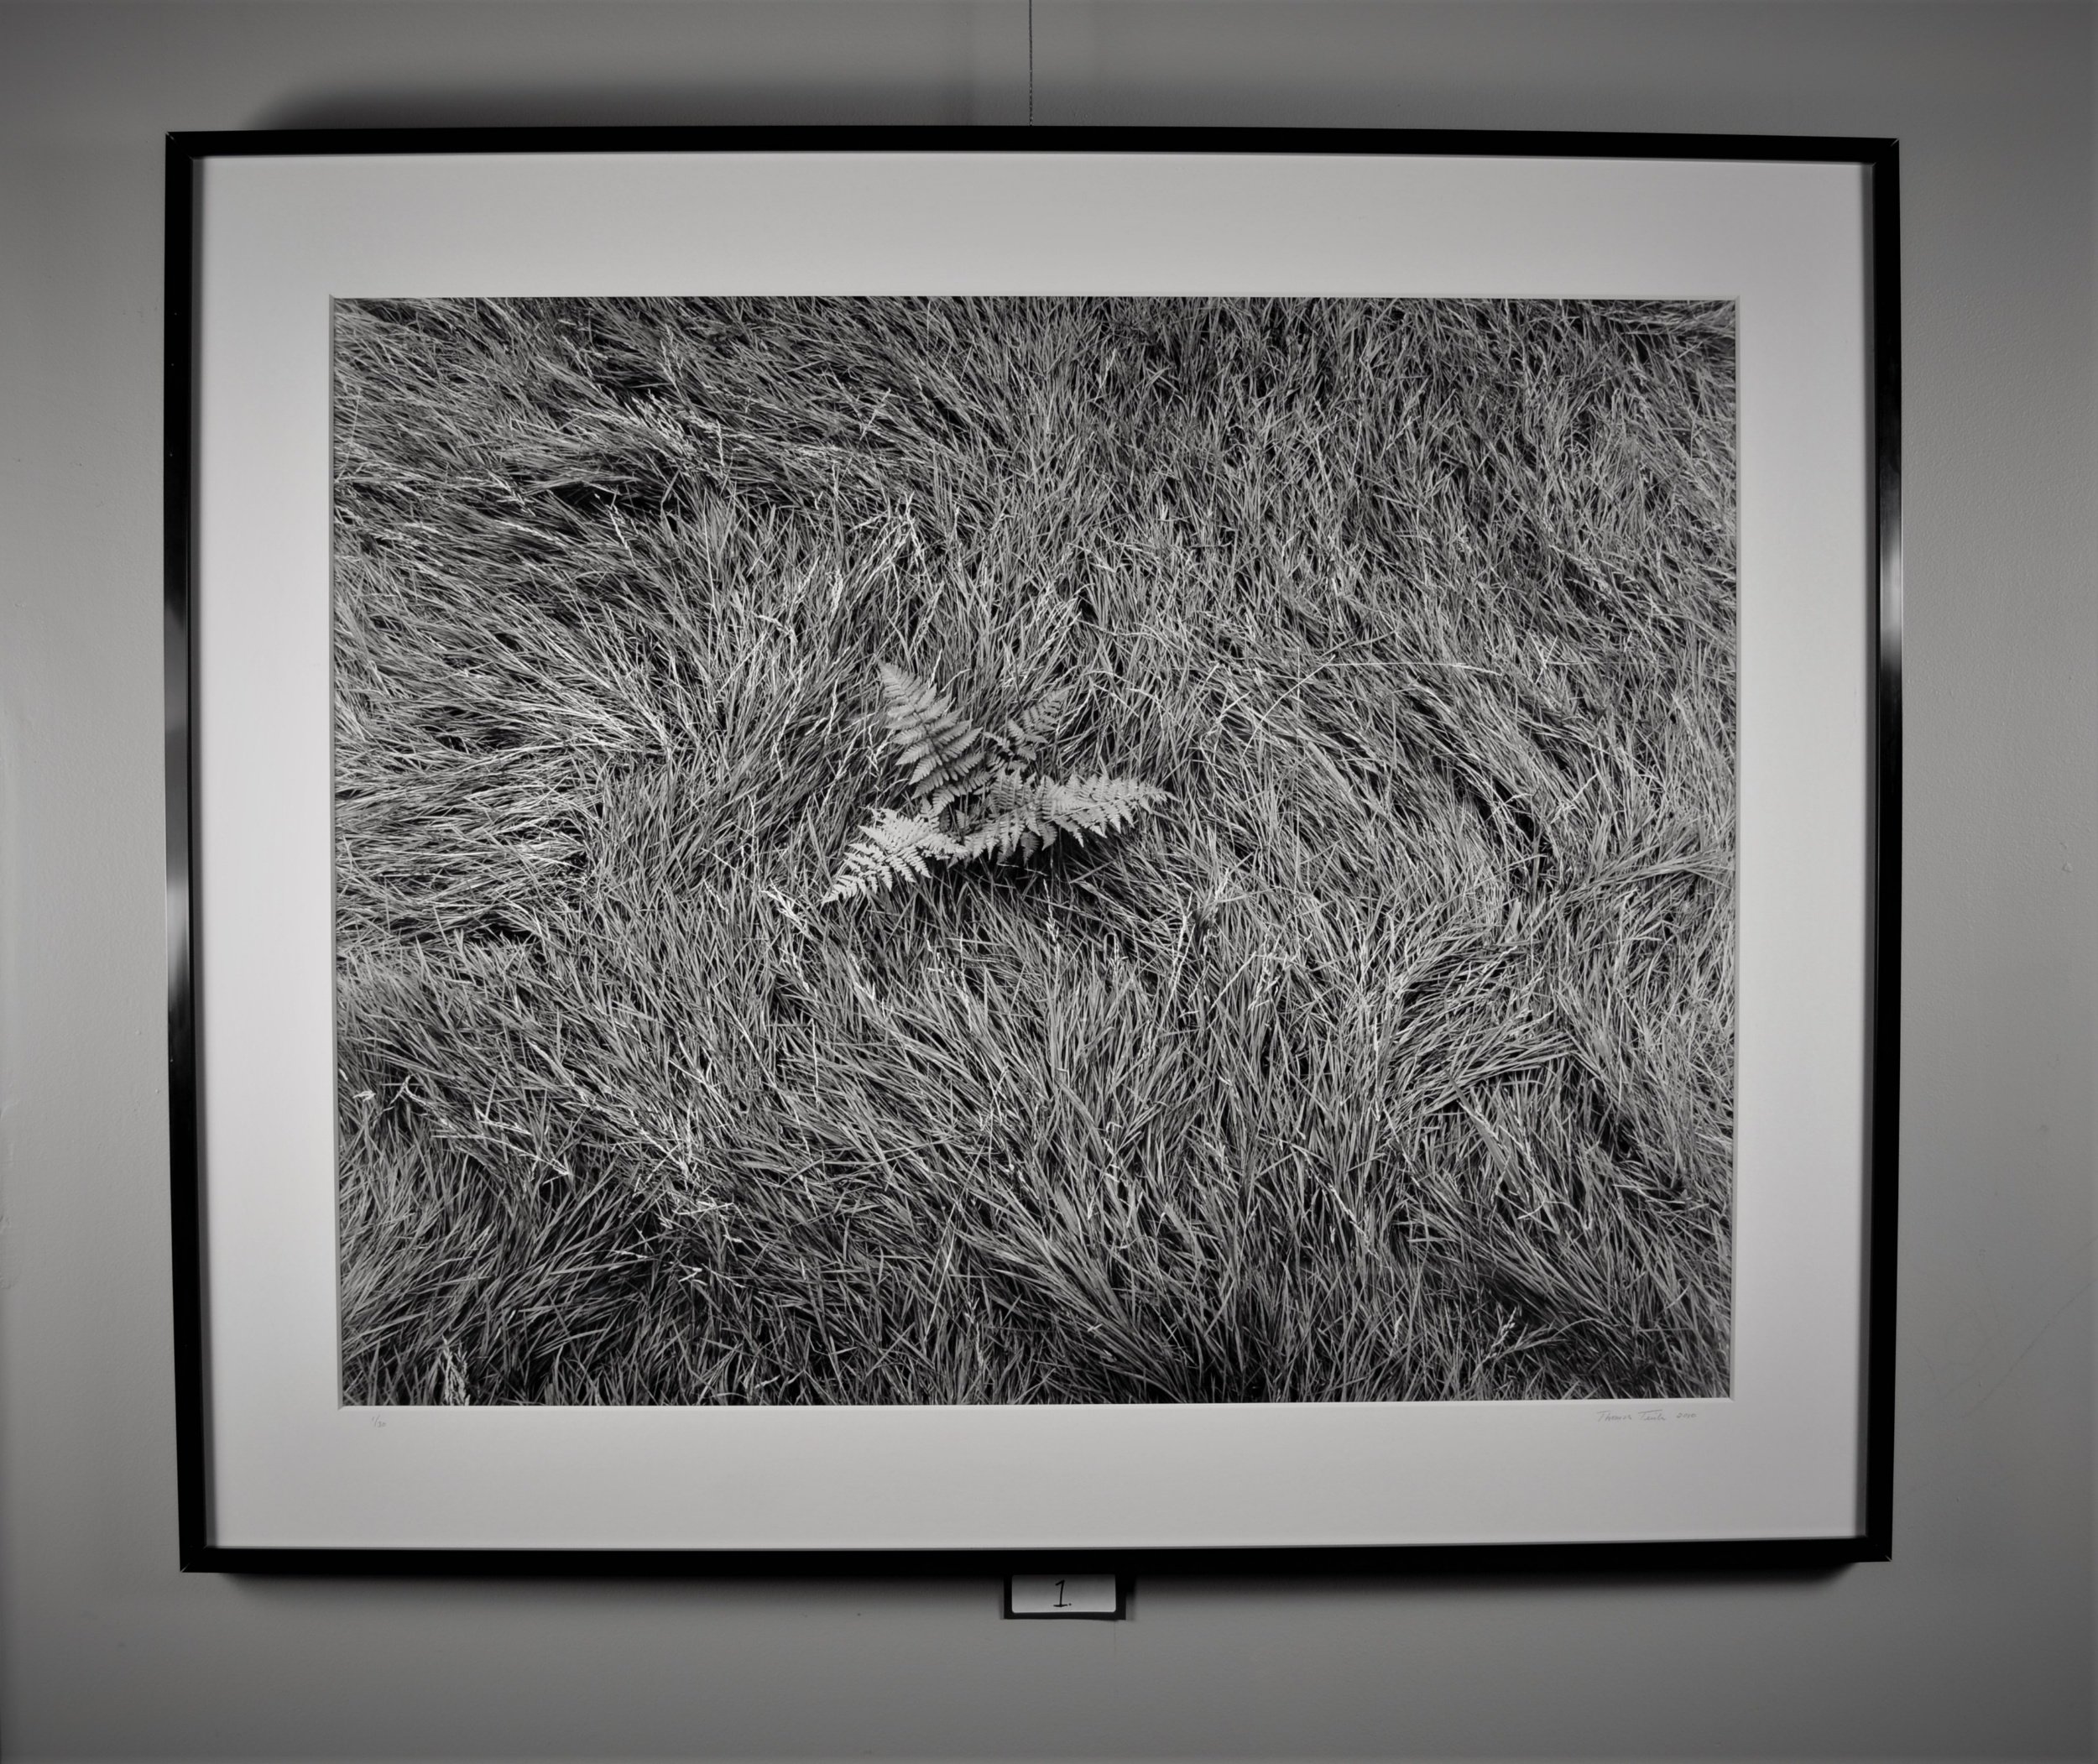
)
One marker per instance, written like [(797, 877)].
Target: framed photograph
[(1051, 849)]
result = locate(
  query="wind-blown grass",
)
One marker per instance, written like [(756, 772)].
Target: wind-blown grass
[(1391, 1058)]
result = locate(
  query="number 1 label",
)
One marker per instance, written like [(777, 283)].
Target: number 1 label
[(1062, 1596)]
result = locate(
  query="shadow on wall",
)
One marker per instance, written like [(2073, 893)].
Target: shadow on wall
[(1514, 99), (668, 107)]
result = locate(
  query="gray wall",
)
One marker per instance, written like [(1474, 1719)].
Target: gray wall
[(1976, 1641)]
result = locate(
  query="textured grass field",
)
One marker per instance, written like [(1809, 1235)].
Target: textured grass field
[(1392, 1059)]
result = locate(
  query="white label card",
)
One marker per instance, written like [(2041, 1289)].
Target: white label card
[(1061, 1595)]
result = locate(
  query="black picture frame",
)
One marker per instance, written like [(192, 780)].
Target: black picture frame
[(190, 866)]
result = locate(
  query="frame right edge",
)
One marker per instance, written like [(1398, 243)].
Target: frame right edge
[(1883, 317)]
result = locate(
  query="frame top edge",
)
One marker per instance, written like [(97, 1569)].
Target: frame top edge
[(196, 145)]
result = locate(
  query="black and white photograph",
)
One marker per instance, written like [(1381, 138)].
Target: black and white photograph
[(967, 850)]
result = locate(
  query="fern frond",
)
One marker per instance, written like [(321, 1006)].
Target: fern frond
[(1021, 816), (889, 849), (1006, 791), (1018, 831), (1021, 742), (1009, 819), (1082, 806), (946, 752), (976, 795)]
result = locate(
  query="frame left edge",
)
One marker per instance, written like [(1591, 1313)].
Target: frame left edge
[(179, 663)]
